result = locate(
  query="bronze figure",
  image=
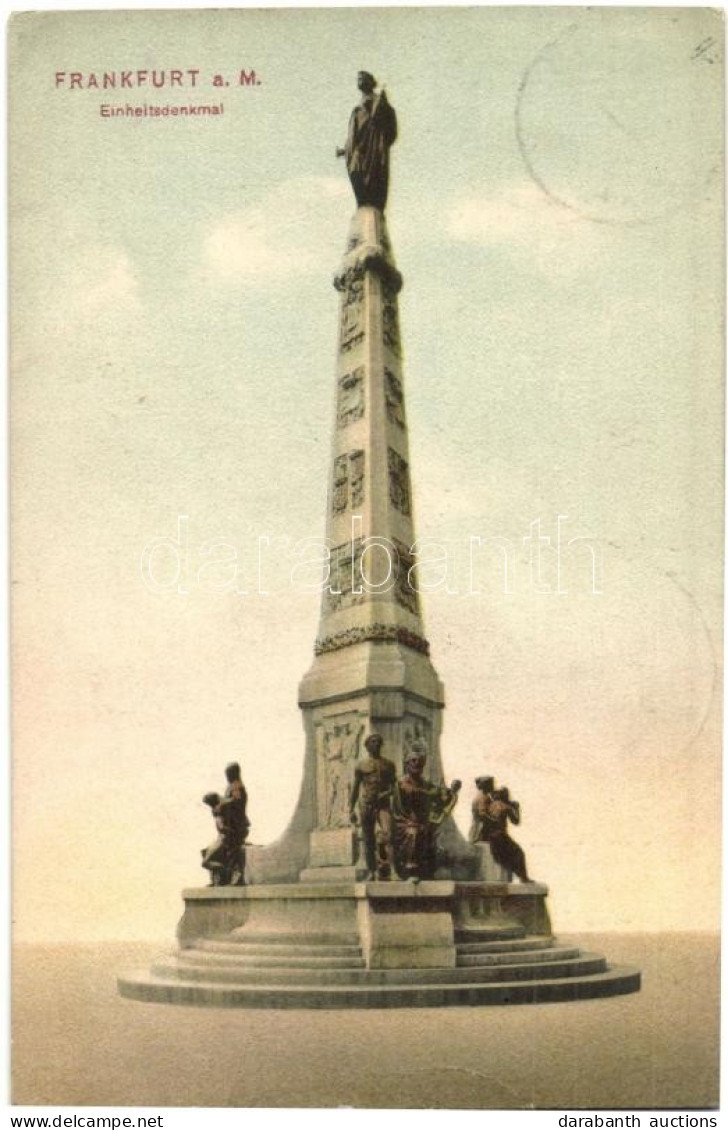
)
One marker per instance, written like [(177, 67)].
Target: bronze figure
[(225, 857), (493, 809), (234, 807), (374, 778), (372, 131), (419, 808), (215, 857)]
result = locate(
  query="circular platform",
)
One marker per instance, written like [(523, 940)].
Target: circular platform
[(258, 972)]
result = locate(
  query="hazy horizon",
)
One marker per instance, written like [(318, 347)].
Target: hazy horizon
[(76, 1042), (167, 939)]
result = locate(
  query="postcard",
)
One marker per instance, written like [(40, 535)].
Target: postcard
[(366, 544)]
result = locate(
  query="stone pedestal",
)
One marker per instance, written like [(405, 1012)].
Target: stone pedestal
[(397, 923), (372, 945), (488, 869), (408, 925)]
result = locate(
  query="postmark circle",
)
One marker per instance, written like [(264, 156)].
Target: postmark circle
[(618, 117)]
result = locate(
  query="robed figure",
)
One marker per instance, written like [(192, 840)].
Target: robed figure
[(419, 807), (372, 130)]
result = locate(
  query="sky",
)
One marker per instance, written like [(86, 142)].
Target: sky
[(556, 212)]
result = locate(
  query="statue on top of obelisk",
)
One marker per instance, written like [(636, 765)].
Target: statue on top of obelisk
[(372, 130)]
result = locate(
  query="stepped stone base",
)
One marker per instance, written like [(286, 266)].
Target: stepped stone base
[(372, 945), (146, 987)]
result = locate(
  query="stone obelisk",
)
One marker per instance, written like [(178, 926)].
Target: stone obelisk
[(371, 670)]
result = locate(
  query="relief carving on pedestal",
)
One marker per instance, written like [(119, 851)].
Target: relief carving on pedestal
[(416, 729), (340, 496), (394, 398), (399, 484), (352, 313), (404, 591), (338, 747), (350, 405), (390, 321), (348, 489), (345, 575), (356, 478)]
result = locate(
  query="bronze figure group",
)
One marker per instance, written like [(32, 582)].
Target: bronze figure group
[(399, 819), (225, 857)]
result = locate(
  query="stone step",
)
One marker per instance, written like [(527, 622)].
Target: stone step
[(512, 945), (240, 957), (488, 933), (509, 957), (251, 975), (279, 949), (245, 960), (573, 965), (245, 936), (144, 986), (242, 960)]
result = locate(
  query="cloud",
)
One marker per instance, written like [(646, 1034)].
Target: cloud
[(292, 231), (112, 285), (297, 229), (99, 283), (522, 219), (519, 209)]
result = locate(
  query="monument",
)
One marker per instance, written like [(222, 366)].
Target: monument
[(325, 921)]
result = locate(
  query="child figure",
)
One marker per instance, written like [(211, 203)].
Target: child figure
[(215, 858)]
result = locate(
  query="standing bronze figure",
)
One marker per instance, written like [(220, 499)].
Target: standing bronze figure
[(372, 131), (419, 808), (233, 808), (374, 779)]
